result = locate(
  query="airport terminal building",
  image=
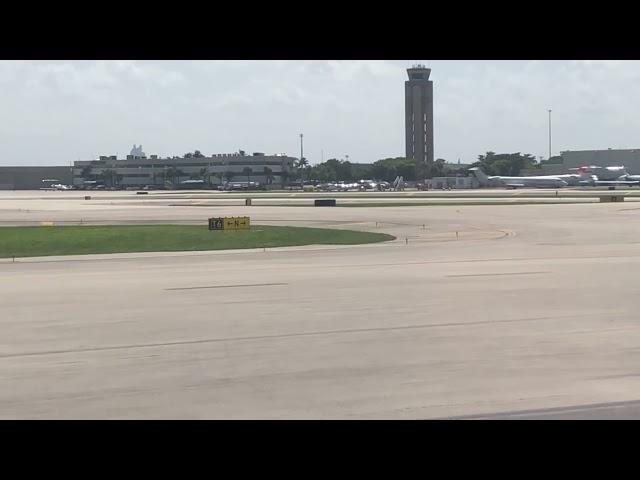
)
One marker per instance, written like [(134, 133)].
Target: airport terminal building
[(138, 171)]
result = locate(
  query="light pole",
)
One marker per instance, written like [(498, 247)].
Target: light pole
[(549, 134), (347, 157), (301, 150)]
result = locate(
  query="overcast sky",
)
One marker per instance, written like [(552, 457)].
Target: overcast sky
[(52, 113)]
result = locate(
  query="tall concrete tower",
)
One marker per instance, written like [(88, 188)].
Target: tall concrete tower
[(418, 94)]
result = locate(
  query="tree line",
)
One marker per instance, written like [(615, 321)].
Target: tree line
[(387, 169), (507, 164)]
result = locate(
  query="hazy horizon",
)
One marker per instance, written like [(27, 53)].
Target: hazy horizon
[(56, 112)]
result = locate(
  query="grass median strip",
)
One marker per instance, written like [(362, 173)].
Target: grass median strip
[(80, 240)]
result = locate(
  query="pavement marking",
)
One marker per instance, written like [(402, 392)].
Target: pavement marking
[(299, 249), (495, 274), (611, 377), (284, 335), (550, 411), (229, 286)]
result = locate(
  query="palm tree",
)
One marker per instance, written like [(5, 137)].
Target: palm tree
[(302, 164), (268, 173), (284, 176), (247, 171), (108, 176), (165, 171), (170, 173), (179, 173), (86, 172), (173, 173), (103, 175), (206, 172)]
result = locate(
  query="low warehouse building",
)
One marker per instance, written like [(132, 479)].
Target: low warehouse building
[(630, 158), (451, 182), (31, 178)]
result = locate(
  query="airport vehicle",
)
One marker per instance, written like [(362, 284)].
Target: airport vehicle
[(328, 187), (612, 176), (242, 186), (344, 187), (193, 184), (368, 185), (89, 185), (308, 186), (542, 181)]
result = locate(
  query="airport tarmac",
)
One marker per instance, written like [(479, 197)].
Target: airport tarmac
[(473, 311)]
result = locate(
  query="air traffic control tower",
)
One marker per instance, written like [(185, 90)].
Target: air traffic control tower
[(418, 92)]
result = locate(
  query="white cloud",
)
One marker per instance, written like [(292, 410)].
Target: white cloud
[(53, 112)]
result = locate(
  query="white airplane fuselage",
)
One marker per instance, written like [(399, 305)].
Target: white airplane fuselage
[(541, 181), (533, 182)]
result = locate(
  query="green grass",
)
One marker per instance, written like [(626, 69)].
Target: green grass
[(45, 241)]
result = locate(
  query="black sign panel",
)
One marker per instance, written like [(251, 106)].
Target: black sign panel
[(216, 223)]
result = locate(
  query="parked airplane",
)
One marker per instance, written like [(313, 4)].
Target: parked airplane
[(328, 187), (606, 176), (345, 187), (541, 181), (50, 184), (241, 186)]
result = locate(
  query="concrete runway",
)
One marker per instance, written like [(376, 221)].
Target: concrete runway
[(528, 308)]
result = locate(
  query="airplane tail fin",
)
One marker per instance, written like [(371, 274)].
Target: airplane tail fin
[(480, 175)]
